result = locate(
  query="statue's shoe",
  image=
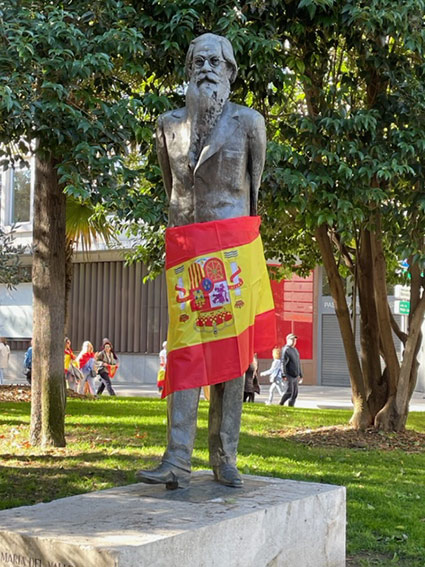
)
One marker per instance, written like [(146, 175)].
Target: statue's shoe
[(228, 475), (168, 474)]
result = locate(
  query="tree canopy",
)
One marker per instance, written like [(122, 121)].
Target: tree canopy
[(64, 91)]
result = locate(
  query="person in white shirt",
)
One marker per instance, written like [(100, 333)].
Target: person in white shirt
[(275, 373), (4, 358)]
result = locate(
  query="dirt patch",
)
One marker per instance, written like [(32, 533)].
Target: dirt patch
[(348, 438), (23, 394)]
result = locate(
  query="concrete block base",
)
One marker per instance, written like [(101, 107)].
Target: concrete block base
[(269, 522)]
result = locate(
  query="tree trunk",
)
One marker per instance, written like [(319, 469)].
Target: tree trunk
[(375, 385), (361, 417), (409, 366), (388, 417), (384, 322), (69, 252), (417, 282), (380, 398), (48, 385)]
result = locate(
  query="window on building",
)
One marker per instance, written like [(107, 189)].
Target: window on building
[(20, 195)]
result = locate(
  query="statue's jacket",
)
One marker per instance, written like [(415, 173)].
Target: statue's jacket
[(224, 182)]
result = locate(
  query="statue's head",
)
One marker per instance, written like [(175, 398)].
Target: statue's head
[(210, 67), (210, 58)]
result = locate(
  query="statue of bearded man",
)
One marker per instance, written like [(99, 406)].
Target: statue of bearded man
[(211, 154)]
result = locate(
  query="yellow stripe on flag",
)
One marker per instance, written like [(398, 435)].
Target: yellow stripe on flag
[(206, 300)]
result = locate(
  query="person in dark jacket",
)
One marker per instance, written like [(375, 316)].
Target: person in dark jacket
[(291, 369), (251, 381)]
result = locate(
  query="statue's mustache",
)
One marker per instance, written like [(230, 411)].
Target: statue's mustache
[(209, 77)]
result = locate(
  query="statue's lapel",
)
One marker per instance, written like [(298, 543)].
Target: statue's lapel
[(223, 130), (181, 131)]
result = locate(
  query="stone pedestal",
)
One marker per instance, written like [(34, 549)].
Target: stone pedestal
[(270, 522)]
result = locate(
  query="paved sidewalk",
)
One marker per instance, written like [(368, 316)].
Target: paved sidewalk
[(326, 397)]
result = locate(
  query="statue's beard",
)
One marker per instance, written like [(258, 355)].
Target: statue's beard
[(205, 101)]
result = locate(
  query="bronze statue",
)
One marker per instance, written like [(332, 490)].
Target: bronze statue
[(211, 154)]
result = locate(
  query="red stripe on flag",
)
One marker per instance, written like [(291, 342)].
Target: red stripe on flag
[(265, 337), (219, 361), (183, 243)]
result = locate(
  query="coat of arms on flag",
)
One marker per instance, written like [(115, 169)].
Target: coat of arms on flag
[(209, 293), (219, 301)]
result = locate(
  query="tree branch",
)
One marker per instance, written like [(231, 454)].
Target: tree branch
[(396, 328)]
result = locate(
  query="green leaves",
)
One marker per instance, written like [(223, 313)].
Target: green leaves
[(67, 87), (313, 5), (351, 133)]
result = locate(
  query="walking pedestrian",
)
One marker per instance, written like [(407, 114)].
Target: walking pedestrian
[(108, 364), (162, 367), (291, 369), (275, 374), (86, 362), (69, 365), (251, 386), (4, 358), (28, 364)]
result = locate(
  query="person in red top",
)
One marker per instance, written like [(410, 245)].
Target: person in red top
[(86, 362)]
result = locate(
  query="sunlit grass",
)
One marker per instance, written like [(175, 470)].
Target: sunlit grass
[(110, 439)]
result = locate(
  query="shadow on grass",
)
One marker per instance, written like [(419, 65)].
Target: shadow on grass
[(30, 481)]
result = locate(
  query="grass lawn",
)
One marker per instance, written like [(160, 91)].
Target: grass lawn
[(109, 439)]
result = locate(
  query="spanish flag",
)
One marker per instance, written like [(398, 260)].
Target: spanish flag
[(220, 302)]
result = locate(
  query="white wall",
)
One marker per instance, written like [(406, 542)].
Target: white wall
[(137, 368), (16, 311)]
